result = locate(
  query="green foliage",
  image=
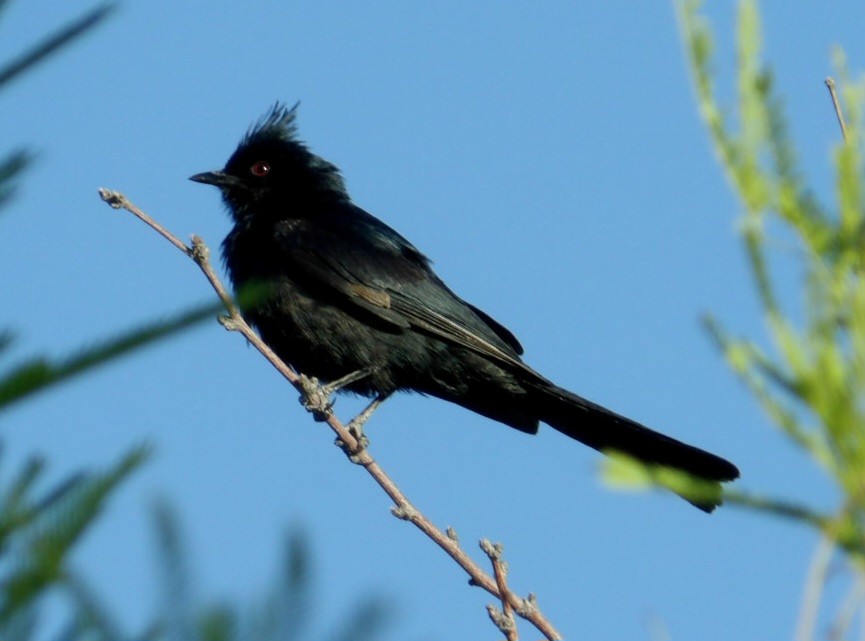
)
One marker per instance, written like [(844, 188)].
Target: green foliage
[(37, 374), (53, 43), (15, 162), (38, 530), (627, 473), (21, 380), (811, 382), (10, 168), (283, 614), (812, 385)]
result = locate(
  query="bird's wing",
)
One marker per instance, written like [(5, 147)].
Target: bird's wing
[(444, 323), (370, 266)]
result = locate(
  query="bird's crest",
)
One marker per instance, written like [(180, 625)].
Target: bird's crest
[(278, 126), (278, 122)]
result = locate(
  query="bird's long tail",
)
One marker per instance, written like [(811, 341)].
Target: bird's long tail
[(606, 431)]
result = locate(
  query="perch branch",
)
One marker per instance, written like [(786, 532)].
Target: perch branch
[(504, 618), (403, 508)]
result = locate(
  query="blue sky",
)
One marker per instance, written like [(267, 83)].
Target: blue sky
[(549, 158)]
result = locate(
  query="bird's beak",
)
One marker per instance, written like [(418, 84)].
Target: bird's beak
[(218, 178)]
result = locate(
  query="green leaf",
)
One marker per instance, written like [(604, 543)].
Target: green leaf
[(366, 622), (58, 524), (218, 623), (37, 374), (90, 619), (55, 42), (10, 169), (16, 507), (6, 339), (812, 384), (177, 618), (624, 472), (778, 507)]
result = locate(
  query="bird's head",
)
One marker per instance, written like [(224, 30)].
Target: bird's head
[(272, 173)]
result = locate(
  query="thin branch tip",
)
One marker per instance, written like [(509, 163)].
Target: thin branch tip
[(492, 550), (839, 113), (114, 198), (528, 606), (502, 621)]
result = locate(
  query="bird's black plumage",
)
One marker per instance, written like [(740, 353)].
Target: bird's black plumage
[(346, 293)]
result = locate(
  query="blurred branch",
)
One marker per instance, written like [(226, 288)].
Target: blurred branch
[(54, 42), (403, 509), (840, 630), (813, 592)]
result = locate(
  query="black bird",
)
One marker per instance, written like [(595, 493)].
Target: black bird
[(347, 294)]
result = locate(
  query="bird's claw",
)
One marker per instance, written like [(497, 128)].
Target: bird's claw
[(315, 398), (356, 430), (354, 453), (361, 442)]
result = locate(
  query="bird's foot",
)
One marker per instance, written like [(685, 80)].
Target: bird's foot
[(355, 428), (356, 452), (348, 379), (361, 442), (315, 398)]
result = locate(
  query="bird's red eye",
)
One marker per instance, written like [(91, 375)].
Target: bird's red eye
[(260, 169)]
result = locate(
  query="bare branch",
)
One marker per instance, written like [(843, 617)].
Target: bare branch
[(830, 84), (119, 201), (503, 619), (403, 508)]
